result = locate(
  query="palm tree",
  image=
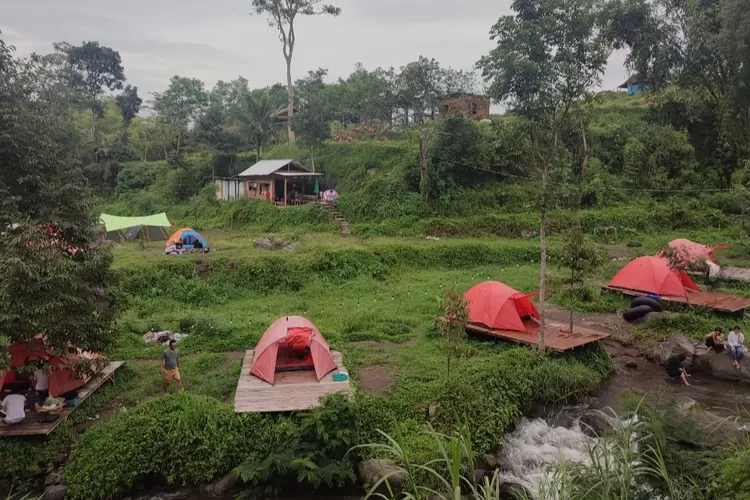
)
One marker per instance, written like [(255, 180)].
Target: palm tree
[(255, 115)]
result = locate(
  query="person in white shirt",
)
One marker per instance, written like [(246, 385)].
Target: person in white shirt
[(41, 383), (736, 340), (13, 407)]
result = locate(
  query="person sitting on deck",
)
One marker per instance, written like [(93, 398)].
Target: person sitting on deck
[(715, 340), (12, 408), (736, 340), (675, 369), (41, 383)]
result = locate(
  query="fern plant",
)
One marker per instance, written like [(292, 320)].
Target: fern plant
[(311, 451)]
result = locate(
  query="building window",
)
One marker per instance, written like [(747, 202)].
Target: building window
[(473, 108)]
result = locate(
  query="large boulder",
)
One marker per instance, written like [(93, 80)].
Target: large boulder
[(263, 244), (56, 492), (596, 423), (221, 487), (371, 471), (701, 428), (673, 346), (720, 365)]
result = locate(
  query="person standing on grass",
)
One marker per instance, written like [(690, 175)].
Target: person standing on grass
[(736, 340), (170, 366)]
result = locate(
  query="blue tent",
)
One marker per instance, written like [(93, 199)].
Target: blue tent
[(188, 236)]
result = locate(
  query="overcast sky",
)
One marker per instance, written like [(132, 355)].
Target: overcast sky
[(219, 39)]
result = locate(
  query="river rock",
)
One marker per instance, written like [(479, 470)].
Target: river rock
[(371, 471), (513, 491), (56, 492), (278, 242), (263, 244), (673, 346), (596, 423), (291, 247), (52, 479), (720, 365), (493, 461), (706, 429), (220, 487)]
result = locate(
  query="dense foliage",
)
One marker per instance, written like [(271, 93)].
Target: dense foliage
[(52, 279)]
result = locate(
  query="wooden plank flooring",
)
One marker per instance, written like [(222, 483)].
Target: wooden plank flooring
[(291, 390), (713, 300), (31, 425), (556, 335)]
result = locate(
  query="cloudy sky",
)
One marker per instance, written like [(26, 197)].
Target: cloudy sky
[(219, 39)]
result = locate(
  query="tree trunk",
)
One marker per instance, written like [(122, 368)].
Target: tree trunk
[(257, 153), (423, 168), (93, 125), (93, 135), (542, 270), (290, 100), (572, 294), (585, 162), (179, 138)]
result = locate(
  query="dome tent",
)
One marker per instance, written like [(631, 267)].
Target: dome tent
[(287, 334), (499, 307), (654, 275), (188, 236)]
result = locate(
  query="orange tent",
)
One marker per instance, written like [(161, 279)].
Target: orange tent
[(284, 336), (690, 251), (498, 306), (653, 275), (62, 378)]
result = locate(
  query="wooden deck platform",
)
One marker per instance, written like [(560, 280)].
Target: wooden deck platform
[(556, 335), (31, 425), (291, 390), (713, 300)]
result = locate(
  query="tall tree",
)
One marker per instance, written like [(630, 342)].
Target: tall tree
[(180, 104), (548, 55), (281, 15), (698, 44), (52, 280), (129, 103), (93, 69), (255, 116), (419, 88)]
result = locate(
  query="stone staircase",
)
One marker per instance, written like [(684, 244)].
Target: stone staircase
[(338, 216)]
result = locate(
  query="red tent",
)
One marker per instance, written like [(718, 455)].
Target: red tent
[(653, 275), (690, 251), (498, 306), (286, 335), (62, 377)]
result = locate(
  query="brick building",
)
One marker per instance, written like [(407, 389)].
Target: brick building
[(471, 105)]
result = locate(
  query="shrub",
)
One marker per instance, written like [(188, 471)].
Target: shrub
[(733, 482), (310, 450), (178, 440), (21, 457)]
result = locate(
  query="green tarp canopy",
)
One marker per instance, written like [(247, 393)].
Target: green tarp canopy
[(116, 223)]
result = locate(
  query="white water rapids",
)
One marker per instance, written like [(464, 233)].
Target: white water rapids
[(534, 448)]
